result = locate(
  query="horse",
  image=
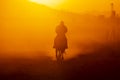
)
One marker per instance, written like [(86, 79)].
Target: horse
[(60, 45)]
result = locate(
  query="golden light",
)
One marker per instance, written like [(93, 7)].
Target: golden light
[(50, 3)]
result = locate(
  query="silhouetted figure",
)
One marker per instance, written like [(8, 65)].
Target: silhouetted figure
[(60, 42), (114, 24), (113, 12)]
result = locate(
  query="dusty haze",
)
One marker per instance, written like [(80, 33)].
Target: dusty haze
[(28, 29)]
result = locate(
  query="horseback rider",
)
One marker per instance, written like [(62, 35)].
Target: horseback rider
[(60, 42)]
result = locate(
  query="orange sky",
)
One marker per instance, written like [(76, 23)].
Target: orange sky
[(82, 5), (89, 5)]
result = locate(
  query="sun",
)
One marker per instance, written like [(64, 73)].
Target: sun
[(51, 3)]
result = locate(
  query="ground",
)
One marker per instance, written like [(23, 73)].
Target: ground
[(102, 63)]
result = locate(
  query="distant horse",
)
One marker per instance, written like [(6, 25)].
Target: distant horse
[(60, 44)]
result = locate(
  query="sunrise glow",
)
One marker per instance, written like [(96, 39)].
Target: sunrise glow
[(50, 3)]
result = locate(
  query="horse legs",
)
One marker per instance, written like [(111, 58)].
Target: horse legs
[(56, 54), (61, 55)]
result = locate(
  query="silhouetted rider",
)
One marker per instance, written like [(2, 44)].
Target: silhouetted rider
[(60, 42)]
